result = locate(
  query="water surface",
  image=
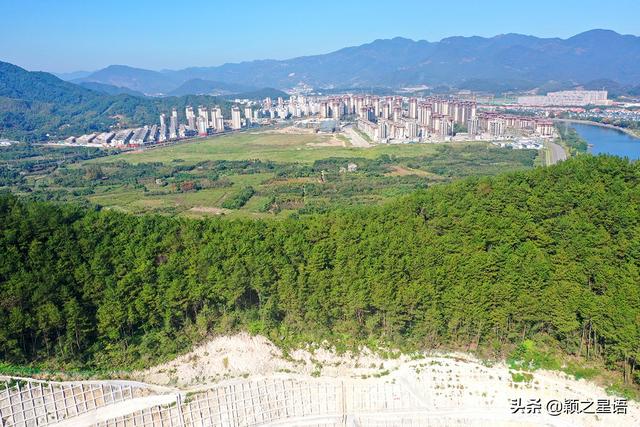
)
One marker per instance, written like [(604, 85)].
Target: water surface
[(608, 141)]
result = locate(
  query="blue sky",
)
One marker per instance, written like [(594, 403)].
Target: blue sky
[(69, 35)]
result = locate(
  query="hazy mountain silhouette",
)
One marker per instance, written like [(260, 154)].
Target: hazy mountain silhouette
[(505, 61)]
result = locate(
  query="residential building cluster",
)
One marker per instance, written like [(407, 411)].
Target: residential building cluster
[(387, 113), (499, 125), (207, 121), (398, 119), (296, 106), (567, 98), (406, 119), (384, 119), (611, 114)]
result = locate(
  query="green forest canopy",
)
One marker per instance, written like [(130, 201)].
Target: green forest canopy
[(489, 261)]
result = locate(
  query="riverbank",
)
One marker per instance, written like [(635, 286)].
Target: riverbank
[(603, 125), (571, 140), (603, 140)]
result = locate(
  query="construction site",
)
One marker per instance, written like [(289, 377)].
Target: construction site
[(354, 391)]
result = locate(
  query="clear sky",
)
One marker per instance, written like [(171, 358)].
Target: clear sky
[(70, 35)]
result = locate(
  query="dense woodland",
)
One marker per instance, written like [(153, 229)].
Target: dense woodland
[(481, 262)]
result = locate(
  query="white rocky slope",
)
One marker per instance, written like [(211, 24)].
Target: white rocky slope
[(244, 380), (428, 387)]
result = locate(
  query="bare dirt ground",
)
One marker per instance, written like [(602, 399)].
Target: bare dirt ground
[(209, 210), (451, 383), (246, 380), (356, 139), (334, 141), (405, 171), (291, 130)]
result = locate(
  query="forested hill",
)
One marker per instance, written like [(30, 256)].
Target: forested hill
[(485, 261), (37, 106)]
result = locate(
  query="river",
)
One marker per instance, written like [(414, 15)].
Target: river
[(608, 141)]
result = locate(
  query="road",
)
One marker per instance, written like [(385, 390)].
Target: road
[(356, 139), (556, 153)]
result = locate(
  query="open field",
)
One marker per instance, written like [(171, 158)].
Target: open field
[(283, 171), (269, 146)]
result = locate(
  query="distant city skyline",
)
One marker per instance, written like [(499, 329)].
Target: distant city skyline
[(77, 35)]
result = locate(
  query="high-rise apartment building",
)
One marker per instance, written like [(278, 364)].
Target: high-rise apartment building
[(248, 114), (173, 125), (191, 117), (202, 126), (162, 135), (236, 121), (413, 108)]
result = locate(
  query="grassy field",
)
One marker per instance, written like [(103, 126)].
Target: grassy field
[(284, 172), (305, 148)]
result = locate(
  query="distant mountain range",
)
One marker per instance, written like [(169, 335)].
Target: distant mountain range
[(208, 87), (110, 89), (72, 75), (503, 62), (258, 94), (146, 81), (36, 106)]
